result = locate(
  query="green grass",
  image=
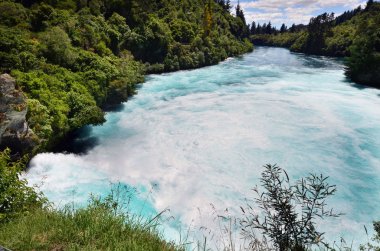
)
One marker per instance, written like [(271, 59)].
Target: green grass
[(99, 226)]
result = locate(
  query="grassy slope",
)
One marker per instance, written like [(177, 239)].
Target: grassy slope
[(96, 227), (28, 222)]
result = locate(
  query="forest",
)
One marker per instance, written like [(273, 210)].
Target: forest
[(74, 58), (354, 35)]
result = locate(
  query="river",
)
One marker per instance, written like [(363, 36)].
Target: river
[(197, 140)]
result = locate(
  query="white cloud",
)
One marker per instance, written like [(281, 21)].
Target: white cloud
[(292, 11)]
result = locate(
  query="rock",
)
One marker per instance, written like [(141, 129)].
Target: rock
[(14, 131)]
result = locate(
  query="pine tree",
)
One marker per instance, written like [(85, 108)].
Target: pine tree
[(283, 28), (293, 28), (227, 6), (240, 13), (369, 4), (253, 28), (269, 28)]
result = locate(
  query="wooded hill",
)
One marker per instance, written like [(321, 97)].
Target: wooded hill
[(354, 34), (73, 57)]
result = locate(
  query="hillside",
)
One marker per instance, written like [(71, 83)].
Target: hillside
[(73, 58), (354, 34)]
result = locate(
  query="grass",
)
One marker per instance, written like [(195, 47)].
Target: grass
[(102, 225)]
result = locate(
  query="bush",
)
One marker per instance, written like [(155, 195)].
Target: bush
[(16, 198), (289, 211)]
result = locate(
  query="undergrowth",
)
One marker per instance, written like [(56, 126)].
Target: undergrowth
[(103, 225)]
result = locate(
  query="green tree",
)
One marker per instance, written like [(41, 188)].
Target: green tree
[(282, 222), (318, 28), (283, 28), (118, 32), (364, 63), (56, 47), (253, 28), (12, 14)]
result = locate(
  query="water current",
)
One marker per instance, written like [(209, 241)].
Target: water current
[(196, 140)]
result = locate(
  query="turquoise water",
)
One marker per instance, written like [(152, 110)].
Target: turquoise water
[(196, 140)]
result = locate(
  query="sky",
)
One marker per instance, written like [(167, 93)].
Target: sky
[(292, 11)]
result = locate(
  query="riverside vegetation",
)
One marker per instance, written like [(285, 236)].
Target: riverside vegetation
[(73, 58), (354, 34)]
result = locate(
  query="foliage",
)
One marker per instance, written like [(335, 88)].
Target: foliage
[(319, 27), (285, 39), (72, 58), (17, 50), (55, 46), (364, 63), (289, 211), (354, 34), (105, 224), (12, 14), (16, 197)]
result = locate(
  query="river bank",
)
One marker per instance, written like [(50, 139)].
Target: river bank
[(83, 57)]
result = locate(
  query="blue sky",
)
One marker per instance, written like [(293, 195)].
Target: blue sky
[(293, 11)]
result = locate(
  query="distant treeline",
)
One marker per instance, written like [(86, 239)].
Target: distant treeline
[(269, 29), (354, 34)]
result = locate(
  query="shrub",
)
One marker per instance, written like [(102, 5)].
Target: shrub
[(289, 211), (16, 198)]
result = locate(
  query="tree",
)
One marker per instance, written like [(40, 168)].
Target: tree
[(264, 28), (56, 46), (289, 211), (293, 28), (118, 32), (253, 28), (227, 6), (259, 29), (240, 12), (269, 28), (283, 28), (369, 4), (364, 62), (318, 29)]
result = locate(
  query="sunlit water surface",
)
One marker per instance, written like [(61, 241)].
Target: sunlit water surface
[(194, 138)]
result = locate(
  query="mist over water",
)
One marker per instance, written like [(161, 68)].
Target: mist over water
[(198, 137)]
